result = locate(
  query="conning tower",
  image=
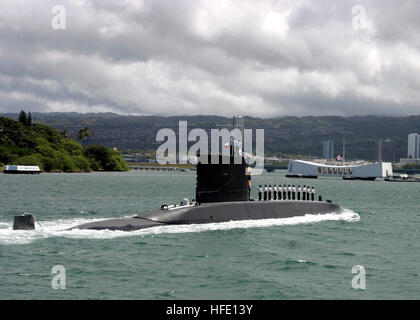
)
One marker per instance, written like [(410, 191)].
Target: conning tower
[(223, 178), (222, 182)]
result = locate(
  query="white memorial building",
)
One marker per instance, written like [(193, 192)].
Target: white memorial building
[(369, 171)]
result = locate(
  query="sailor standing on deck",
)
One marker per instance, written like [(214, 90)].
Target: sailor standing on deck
[(270, 191), (304, 192), (294, 192), (280, 191), (313, 194), (265, 192), (284, 192), (275, 192), (289, 191), (308, 193), (248, 172), (260, 191), (299, 190)]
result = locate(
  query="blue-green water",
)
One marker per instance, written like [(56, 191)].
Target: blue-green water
[(298, 258)]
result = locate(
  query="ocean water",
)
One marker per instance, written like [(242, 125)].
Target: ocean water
[(307, 257)]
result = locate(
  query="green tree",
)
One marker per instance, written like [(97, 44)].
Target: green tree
[(5, 156), (103, 158), (29, 120), (45, 147), (22, 117), (83, 135), (64, 133)]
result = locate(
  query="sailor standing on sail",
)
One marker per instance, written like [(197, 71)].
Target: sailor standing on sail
[(294, 192), (289, 191), (260, 190), (275, 192), (270, 191), (304, 192), (313, 194), (265, 192), (299, 190)]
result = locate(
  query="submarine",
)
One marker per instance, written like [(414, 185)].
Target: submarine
[(222, 195)]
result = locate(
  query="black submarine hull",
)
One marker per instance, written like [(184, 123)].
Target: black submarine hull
[(215, 212)]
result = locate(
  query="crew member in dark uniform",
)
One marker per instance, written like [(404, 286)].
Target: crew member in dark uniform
[(249, 182), (260, 190)]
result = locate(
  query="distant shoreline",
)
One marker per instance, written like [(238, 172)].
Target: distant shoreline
[(130, 164)]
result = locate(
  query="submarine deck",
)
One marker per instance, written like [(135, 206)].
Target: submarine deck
[(216, 212)]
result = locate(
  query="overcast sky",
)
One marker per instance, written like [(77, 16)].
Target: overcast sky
[(166, 57)]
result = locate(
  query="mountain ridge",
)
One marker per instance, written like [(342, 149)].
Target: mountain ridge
[(284, 136)]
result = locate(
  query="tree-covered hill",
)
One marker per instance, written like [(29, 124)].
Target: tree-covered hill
[(287, 136), (24, 143)]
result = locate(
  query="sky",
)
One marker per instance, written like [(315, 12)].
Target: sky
[(258, 58)]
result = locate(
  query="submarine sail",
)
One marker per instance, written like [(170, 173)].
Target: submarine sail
[(222, 182)]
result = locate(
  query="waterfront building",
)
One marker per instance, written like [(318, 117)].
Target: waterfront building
[(385, 151), (413, 146), (328, 149), (367, 171)]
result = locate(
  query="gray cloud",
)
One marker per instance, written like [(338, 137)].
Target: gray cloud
[(260, 58)]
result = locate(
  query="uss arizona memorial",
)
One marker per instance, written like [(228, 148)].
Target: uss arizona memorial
[(369, 171)]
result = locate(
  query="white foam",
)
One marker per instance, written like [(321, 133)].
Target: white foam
[(57, 228)]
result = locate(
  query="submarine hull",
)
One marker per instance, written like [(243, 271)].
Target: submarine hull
[(216, 212)]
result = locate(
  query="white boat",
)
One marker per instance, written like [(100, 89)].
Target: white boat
[(16, 169)]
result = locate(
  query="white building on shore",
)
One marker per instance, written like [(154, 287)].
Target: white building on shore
[(369, 171), (413, 146)]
